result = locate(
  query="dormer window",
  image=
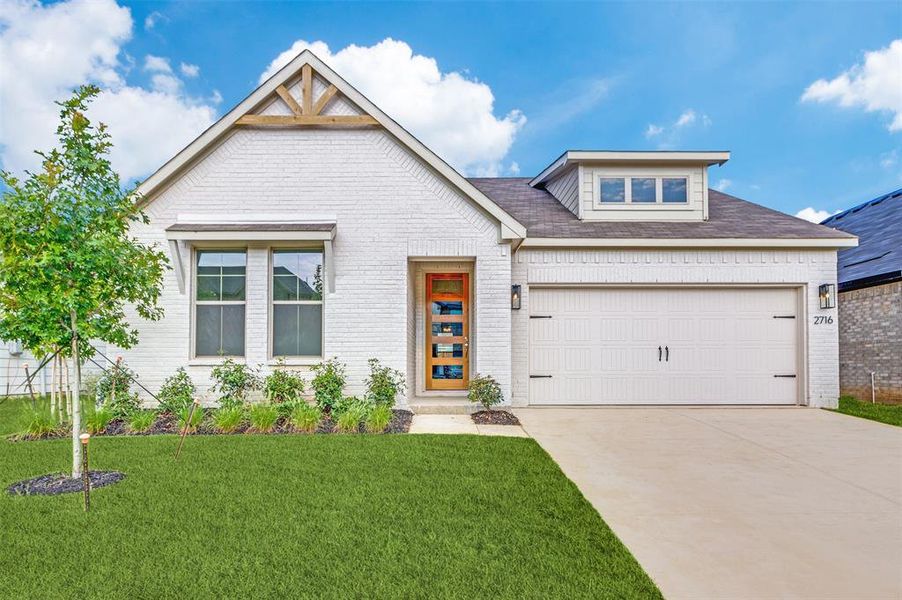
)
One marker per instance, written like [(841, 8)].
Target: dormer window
[(646, 191)]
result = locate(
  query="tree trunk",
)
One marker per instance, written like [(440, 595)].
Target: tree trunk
[(68, 389), (53, 388), (75, 417)]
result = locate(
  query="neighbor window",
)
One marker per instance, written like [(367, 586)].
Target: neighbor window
[(297, 302), (674, 190), (643, 189), (219, 303), (613, 189)]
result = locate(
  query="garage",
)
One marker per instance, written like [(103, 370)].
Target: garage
[(664, 345)]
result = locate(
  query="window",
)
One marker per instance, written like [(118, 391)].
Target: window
[(674, 189), (613, 189), (219, 303), (297, 299), (643, 189)]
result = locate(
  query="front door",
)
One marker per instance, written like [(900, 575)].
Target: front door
[(447, 331)]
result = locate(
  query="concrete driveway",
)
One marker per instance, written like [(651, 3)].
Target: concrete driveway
[(741, 503)]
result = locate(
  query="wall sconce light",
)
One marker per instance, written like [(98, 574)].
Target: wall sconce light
[(515, 297), (826, 293)]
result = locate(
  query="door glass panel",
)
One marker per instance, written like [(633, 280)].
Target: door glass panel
[(447, 329), (447, 372), (447, 308), (448, 287), (447, 350)]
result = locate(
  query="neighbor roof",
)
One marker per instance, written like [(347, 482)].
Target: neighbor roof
[(878, 257), (729, 218)]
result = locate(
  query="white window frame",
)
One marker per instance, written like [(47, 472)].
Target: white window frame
[(291, 359), (628, 203), (217, 359)]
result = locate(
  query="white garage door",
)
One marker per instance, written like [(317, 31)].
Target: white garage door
[(663, 346)]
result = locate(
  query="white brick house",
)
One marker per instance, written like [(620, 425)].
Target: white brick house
[(307, 224)]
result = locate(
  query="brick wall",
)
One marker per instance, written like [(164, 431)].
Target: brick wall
[(389, 207), (870, 339)]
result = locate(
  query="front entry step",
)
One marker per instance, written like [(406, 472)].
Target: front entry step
[(442, 406)]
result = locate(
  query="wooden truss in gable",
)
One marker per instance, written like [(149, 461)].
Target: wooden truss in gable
[(307, 113)]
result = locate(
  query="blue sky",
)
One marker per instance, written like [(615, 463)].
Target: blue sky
[(579, 76)]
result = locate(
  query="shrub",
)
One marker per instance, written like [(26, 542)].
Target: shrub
[(378, 418), (483, 389), (39, 424), (305, 417), (349, 420), (384, 384), (89, 383), (234, 381), (141, 420), (328, 383), (283, 386), (228, 419), (113, 391), (195, 421), (98, 420), (177, 392), (263, 417)]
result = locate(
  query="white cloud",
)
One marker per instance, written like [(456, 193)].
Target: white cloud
[(723, 184), (875, 85), (157, 64), (668, 136), (514, 168), (50, 49), (814, 215), (151, 20), (189, 70), (888, 160), (447, 111)]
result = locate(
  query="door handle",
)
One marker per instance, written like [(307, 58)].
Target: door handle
[(666, 354), (466, 347), (659, 354)]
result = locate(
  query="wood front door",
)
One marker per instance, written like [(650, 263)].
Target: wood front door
[(447, 331)]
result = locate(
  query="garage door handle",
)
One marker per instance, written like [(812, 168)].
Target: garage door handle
[(539, 316), (784, 316), (787, 376), (659, 354), (666, 354), (540, 376)]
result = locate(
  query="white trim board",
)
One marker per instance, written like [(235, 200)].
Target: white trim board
[(690, 242)]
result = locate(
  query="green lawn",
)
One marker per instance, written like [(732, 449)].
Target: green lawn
[(890, 414), (304, 516)]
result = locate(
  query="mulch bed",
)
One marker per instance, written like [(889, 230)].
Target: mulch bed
[(168, 424), (494, 417), (59, 483)]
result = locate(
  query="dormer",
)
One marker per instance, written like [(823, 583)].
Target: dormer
[(632, 186)]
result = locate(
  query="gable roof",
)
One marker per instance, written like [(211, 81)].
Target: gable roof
[(731, 221), (878, 257), (511, 228), (705, 157)]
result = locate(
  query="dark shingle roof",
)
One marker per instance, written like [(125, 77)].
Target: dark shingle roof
[(728, 217), (878, 257)]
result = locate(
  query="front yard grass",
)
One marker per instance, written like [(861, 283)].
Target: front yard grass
[(891, 414), (310, 516)]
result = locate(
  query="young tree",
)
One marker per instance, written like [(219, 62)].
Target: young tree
[(68, 267)]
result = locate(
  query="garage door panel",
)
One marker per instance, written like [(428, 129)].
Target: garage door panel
[(600, 346)]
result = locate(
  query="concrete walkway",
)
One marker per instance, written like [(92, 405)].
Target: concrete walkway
[(461, 424), (741, 503)]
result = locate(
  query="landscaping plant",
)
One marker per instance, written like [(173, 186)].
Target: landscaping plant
[(283, 386), (305, 417), (484, 390), (328, 383), (38, 423), (193, 421), (113, 391), (384, 384), (141, 420), (234, 381), (228, 419), (176, 393), (98, 420), (263, 417), (378, 418), (69, 265), (349, 413)]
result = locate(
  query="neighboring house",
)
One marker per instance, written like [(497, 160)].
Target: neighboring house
[(306, 223), (870, 299), (13, 359)]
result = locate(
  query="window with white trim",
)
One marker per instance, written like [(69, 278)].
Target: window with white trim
[(219, 304), (297, 302), (642, 190)]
